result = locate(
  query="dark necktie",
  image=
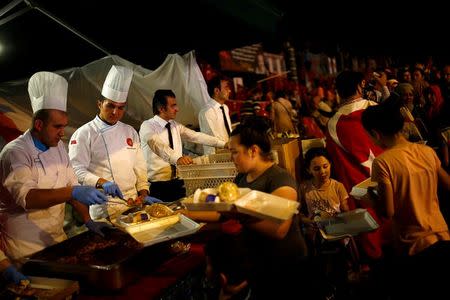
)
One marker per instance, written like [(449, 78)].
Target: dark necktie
[(227, 127), (170, 135), (172, 167)]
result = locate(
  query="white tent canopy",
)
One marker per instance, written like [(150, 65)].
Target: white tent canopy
[(178, 73)]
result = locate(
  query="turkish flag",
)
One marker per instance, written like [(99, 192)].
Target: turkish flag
[(352, 152), (351, 149)]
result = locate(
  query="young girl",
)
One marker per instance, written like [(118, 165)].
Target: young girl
[(321, 195)]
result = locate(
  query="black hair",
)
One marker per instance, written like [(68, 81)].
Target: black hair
[(213, 83), (255, 130), (347, 83), (42, 114), (385, 118), (160, 100), (315, 152)]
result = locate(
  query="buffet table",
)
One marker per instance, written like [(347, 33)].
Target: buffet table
[(126, 272), (177, 275)]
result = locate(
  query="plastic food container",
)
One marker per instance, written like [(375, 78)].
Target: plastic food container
[(211, 206), (263, 205)]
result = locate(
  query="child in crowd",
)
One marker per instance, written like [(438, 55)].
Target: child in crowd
[(321, 195)]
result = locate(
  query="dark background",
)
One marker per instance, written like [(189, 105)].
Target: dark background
[(144, 32)]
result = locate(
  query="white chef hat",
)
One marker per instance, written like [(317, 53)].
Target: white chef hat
[(47, 91), (117, 84)]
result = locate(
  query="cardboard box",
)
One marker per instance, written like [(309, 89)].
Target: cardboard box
[(289, 157)]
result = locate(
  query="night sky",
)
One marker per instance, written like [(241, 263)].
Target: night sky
[(33, 42)]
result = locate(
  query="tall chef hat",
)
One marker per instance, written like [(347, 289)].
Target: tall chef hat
[(117, 84), (47, 91)]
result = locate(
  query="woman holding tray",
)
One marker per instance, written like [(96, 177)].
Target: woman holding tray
[(277, 250)]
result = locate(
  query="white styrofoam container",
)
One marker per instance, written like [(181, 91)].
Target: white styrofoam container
[(360, 190), (212, 206), (264, 205)]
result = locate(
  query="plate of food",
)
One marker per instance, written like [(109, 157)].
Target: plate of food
[(156, 223), (145, 214)]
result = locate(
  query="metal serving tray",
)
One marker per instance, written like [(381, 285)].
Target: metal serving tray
[(109, 267), (164, 229)]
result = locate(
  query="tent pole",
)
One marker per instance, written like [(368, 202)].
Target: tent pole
[(46, 13), (14, 15), (9, 6)]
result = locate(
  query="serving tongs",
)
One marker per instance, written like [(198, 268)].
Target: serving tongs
[(175, 205), (123, 201)]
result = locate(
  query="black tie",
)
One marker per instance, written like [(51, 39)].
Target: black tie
[(170, 135), (227, 127), (172, 167)]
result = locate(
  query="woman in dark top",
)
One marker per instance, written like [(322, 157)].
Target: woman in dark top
[(277, 249)]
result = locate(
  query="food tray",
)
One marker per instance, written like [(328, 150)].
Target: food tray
[(351, 222), (360, 190), (159, 230), (80, 258), (43, 288), (263, 205), (188, 202)]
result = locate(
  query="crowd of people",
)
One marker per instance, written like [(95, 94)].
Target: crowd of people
[(375, 126)]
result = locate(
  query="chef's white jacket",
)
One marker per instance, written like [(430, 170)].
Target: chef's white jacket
[(211, 122), (24, 167), (155, 144), (113, 152)]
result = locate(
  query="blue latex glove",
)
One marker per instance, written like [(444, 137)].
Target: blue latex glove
[(111, 188), (12, 275), (98, 227), (151, 200), (88, 195)]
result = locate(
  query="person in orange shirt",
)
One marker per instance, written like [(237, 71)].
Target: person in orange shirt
[(408, 175)]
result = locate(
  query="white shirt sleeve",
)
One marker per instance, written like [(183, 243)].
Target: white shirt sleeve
[(20, 179), (162, 149), (199, 137), (80, 157), (140, 169)]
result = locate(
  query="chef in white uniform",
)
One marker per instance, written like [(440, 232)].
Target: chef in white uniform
[(106, 153), (36, 176)]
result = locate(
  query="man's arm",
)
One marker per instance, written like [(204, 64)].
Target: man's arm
[(199, 137), (80, 158), (45, 198), (162, 149), (140, 169)]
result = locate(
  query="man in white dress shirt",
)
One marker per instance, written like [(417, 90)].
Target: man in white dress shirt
[(106, 153), (162, 154), (214, 119), (36, 178)]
